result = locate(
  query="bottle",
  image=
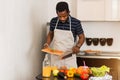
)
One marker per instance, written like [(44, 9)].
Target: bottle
[(46, 72)]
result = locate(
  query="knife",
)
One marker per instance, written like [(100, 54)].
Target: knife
[(67, 56)]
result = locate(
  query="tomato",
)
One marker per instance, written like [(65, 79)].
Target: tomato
[(86, 70), (84, 76), (62, 70), (66, 71)]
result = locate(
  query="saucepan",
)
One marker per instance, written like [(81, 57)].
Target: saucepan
[(88, 41), (95, 41), (109, 41), (102, 41)]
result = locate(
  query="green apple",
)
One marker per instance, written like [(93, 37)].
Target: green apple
[(55, 72)]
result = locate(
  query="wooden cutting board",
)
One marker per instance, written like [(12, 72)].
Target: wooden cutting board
[(52, 51)]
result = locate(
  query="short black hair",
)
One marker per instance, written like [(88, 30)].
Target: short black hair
[(62, 6)]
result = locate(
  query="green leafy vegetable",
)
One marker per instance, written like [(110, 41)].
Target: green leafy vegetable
[(101, 71)]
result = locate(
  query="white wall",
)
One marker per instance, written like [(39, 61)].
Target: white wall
[(110, 29), (22, 34)]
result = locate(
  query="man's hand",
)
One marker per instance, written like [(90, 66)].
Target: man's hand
[(49, 39), (46, 45), (76, 49)]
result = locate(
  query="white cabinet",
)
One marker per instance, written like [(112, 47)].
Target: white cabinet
[(90, 10), (112, 10), (98, 10), (119, 9)]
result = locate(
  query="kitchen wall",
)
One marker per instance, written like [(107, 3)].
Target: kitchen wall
[(22, 34), (107, 29)]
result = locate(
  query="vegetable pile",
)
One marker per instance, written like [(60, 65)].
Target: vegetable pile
[(82, 72), (100, 71)]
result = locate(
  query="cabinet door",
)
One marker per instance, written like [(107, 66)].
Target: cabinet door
[(119, 9), (91, 10), (112, 10)]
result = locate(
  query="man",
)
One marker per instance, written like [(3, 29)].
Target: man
[(64, 30)]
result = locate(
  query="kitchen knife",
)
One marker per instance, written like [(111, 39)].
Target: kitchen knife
[(67, 56)]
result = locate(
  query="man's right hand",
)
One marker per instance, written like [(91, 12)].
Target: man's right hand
[(46, 45)]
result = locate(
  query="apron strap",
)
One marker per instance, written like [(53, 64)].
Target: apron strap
[(56, 23), (70, 22)]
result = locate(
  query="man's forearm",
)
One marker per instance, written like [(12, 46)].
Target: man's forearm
[(49, 38), (81, 40)]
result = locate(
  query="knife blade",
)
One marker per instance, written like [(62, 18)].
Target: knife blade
[(67, 56)]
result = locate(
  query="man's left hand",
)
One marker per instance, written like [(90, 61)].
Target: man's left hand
[(76, 49)]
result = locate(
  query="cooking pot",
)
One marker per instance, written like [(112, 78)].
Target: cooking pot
[(95, 41), (88, 41), (109, 41), (102, 41)]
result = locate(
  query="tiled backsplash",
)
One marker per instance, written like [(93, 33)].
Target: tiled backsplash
[(102, 30)]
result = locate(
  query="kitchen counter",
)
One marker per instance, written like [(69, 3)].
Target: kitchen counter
[(100, 57), (104, 55)]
